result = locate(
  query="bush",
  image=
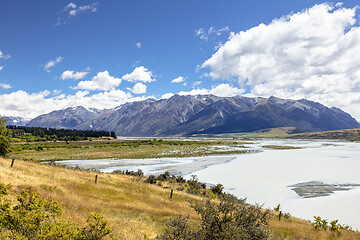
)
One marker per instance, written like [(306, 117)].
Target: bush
[(320, 223), (217, 189), (97, 228), (231, 218), (151, 179), (34, 217)]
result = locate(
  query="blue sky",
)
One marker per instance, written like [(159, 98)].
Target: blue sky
[(56, 54)]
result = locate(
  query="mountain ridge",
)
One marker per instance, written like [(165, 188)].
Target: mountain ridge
[(183, 115)]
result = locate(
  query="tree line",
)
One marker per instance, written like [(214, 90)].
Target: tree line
[(51, 134)]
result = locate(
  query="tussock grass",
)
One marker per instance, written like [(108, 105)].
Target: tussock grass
[(132, 207), (294, 228)]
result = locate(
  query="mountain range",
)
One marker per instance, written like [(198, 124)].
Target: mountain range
[(18, 121), (200, 114)]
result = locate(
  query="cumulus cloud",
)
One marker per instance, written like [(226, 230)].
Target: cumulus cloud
[(167, 95), (72, 10), (139, 88), (52, 63), (73, 75), (30, 105), (102, 81), (178, 80), (221, 90), (4, 85), (138, 44), (4, 56), (204, 34), (140, 74), (311, 54)]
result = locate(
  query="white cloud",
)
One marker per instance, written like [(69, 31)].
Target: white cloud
[(339, 4), (212, 32), (178, 79), (1, 68), (197, 83), (167, 95), (312, 54), (5, 86), (73, 75), (70, 6), (71, 10), (56, 92), (52, 63), (140, 74), (3, 56), (139, 88), (138, 44), (102, 81), (23, 104), (221, 90)]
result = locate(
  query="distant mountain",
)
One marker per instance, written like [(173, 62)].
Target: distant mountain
[(66, 118), (18, 121), (203, 114)]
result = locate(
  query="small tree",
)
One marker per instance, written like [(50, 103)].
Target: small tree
[(5, 138), (113, 134)]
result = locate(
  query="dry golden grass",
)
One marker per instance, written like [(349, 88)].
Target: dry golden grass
[(295, 228), (133, 208)]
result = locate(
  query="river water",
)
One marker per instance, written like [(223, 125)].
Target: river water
[(264, 177)]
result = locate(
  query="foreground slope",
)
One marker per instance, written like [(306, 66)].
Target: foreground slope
[(132, 207)]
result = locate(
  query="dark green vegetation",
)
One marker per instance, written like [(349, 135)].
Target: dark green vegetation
[(229, 218), (5, 138), (34, 217), (32, 134)]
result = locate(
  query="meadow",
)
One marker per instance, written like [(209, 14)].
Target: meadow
[(121, 149)]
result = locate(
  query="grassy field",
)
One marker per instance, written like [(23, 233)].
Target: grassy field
[(120, 149), (288, 132), (279, 132), (134, 209), (347, 134)]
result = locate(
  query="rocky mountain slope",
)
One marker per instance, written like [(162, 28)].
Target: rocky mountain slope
[(65, 118), (18, 121), (201, 114)]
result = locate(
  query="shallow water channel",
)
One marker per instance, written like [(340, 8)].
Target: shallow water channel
[(325, 175)]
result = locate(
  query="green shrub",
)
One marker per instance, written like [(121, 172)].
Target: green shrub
[(97, 228), (34, 217), (320, 223), (231, 218)]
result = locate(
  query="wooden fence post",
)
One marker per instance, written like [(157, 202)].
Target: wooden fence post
[(96, 178), (12, 162), (171, 193)]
